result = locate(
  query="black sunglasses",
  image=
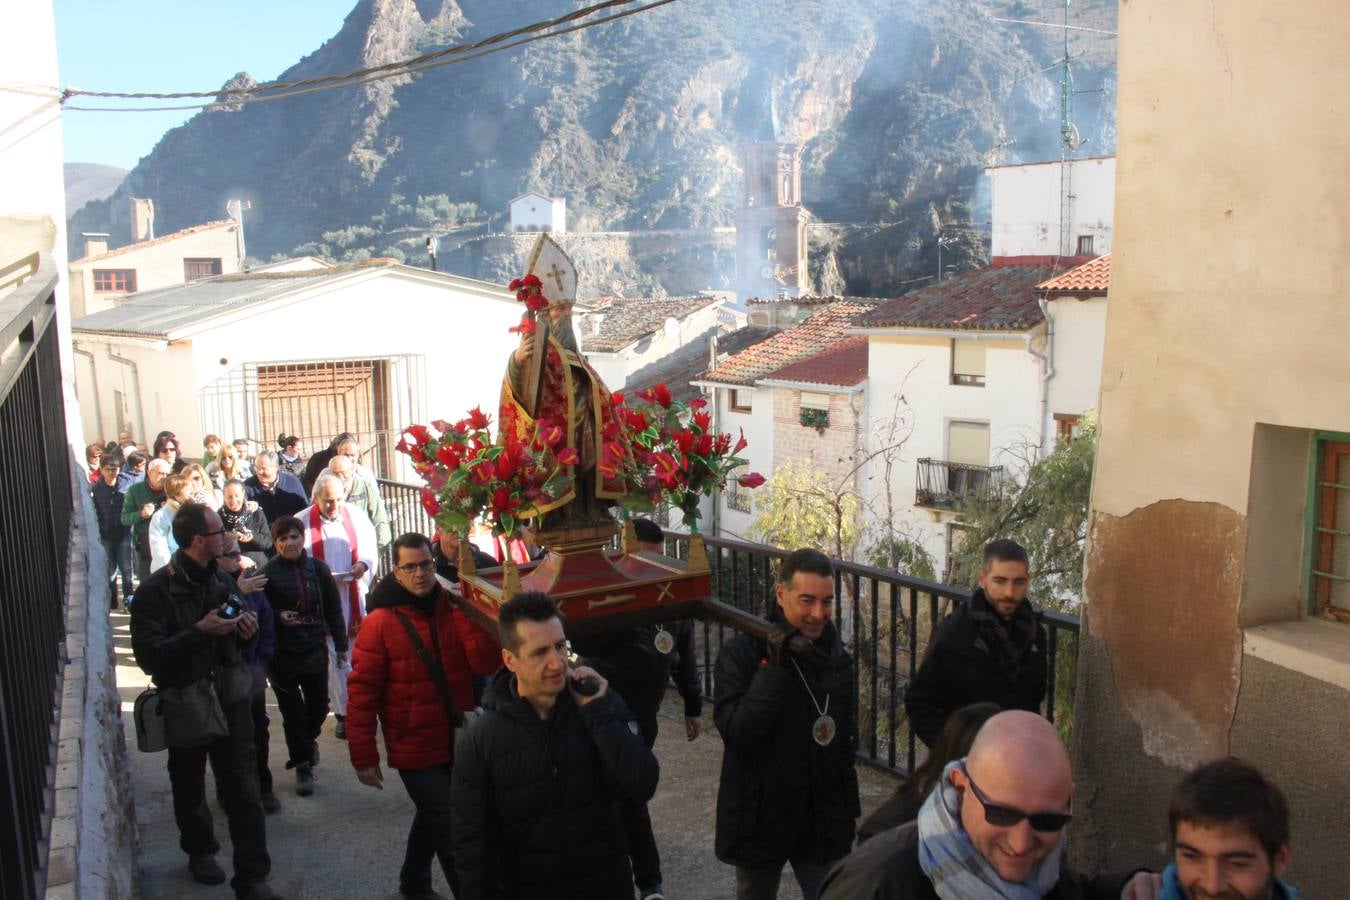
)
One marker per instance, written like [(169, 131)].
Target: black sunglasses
[(233, 554), (1001, 816)]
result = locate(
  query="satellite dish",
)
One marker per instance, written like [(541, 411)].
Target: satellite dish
[(1069, 134)]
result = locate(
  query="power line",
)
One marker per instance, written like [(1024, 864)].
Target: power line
[(448, 56), (1056, 25)]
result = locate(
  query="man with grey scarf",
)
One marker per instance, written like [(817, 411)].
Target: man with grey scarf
[(989, 650), (993, 827)]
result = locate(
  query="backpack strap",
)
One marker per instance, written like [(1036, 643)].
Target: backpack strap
[(455, 717)]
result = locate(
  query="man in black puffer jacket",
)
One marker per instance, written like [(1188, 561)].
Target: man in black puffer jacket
[(990, 650), (789, 792), (535, 784)]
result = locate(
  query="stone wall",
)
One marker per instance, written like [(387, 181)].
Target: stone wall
[(93, 833)]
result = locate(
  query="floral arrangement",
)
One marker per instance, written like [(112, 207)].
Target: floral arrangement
[(468, 475), (530, 291), (678, 456)]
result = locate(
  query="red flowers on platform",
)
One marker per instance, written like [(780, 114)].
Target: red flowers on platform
[(469, 476)]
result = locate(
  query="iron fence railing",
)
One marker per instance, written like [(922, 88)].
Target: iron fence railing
[(945, 484), (35, 515), (885, 618)]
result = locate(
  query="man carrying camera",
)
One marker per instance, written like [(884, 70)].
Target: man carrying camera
[(186, 635)]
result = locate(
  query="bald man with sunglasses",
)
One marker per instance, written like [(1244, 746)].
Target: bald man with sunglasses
[(992, 827)]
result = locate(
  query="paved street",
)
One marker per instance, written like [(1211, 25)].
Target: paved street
[(347, 840)]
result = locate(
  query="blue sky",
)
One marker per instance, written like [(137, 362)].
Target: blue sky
[(187, 45)]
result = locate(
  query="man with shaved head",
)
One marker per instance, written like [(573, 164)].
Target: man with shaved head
[(992, 827)]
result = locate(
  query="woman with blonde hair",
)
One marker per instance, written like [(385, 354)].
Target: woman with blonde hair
[(203, 489), (227, 467)]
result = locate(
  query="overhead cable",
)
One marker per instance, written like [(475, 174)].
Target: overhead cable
[(455, 54)]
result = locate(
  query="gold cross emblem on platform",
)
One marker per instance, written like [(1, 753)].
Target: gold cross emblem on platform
[(666, 593)]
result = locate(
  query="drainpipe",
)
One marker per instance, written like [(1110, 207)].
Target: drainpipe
[(715, 521), (93, 377), (1047, 359), (136, 378)]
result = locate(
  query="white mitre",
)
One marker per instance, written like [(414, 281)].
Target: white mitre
[(554, 269)]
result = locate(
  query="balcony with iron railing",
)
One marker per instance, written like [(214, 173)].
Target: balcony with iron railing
[(941, 484)]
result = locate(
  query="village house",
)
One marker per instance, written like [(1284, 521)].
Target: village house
[(622, 335), (257, 354), (748, 395), (102, 277)]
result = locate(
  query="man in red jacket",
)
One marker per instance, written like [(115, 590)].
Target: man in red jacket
[(412, 668)]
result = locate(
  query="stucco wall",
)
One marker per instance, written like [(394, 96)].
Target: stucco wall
[(1227, 281), (1026, 207), (1080, 336)]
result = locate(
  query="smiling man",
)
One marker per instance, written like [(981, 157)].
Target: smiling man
[(788, 792), (989, 650), (992, 827), (1230, 828)]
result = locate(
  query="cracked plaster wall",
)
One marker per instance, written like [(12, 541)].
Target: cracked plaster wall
[(1224, 350)]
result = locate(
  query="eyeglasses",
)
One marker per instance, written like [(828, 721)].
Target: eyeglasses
[(233, 554), (1001, 816), (213, 533), (425, 565)]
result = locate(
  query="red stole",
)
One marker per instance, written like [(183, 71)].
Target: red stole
[(316, 550)]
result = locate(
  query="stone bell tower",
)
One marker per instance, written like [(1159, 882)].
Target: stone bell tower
[(771, 226)]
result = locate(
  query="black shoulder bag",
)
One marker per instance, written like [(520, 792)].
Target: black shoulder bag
[(454, 716)]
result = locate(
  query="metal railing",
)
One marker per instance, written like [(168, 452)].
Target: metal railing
[(944, 484), (35, 517), (885, 618)]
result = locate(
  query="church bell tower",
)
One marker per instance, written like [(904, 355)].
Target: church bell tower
[(771, 226)]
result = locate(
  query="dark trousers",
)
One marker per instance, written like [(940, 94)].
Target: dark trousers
[(637, 822), (261, 738), (761, 883), (430, 833), (237, 780), (142, 563), (119, 563), (303, 701)]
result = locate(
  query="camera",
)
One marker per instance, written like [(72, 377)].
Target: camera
[(232, 608)]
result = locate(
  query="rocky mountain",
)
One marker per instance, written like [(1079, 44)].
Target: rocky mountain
[(90, 181), (638, 124)]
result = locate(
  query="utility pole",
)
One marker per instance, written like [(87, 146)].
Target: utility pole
[(235, 210), (942, 242)]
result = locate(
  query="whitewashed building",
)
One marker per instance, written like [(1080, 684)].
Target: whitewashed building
[(368, 348), (535, 212), (1053, 208)]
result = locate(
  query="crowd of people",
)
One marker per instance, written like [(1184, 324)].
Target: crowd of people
[(529, 761)]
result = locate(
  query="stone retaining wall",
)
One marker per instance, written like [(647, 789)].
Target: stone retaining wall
[(93, 831)]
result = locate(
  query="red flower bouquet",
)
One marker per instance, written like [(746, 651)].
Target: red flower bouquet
[(530, 291), (469, 476), (679, 455)]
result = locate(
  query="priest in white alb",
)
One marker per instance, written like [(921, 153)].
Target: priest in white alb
[(343, 537)]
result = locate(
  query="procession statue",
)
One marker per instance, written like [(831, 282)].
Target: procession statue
[(549, 385)]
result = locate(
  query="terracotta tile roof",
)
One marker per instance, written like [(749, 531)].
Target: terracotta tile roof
[(141, 245), (1091, 278), (627, 319), (822, 331), (689, 362), (843, 365), (995, 298)]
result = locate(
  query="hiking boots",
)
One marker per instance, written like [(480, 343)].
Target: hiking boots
[(341, 731), (205, 869), (304, 779)]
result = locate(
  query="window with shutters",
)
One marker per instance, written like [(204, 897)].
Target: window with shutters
[(968, 362), (193, 269), (114, 281)]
